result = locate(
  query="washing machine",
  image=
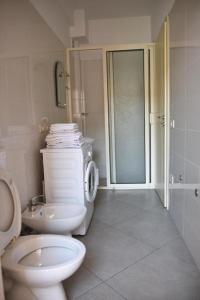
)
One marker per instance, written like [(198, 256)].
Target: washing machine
[(70, 175)]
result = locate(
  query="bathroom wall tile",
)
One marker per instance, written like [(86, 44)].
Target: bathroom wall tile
[(43, 87), (192, 241), (179, 111), (179, 144), (192, 210), (184, 38), (16, 166), (176, 208), (193, 105), (28, 51), (23, 30), (178, 94), (193, 15), (178, 168), (34, 182), (178, 23), (192, 146), (172, 141), (18, 92), (178, 60), (14, 92), (192, 175), (3, 97)]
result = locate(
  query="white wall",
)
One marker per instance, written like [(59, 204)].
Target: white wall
[(163, 8), (28, 52), (185, 108), (57, 16), (120, 30)]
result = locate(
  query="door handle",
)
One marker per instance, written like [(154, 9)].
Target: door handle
[(161, 117), (84, 114)]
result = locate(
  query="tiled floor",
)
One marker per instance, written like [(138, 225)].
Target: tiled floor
[(134, 252)]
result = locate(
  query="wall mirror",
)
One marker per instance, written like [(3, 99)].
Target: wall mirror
[(60, 85)]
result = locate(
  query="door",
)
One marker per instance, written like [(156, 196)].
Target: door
[(128, 117), (91, 181), (161, 115)]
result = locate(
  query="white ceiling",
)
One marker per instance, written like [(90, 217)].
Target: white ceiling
[(102, 9)]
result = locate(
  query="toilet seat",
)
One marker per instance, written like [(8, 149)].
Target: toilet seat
[(19, 259), (37, 264), (15, 226)]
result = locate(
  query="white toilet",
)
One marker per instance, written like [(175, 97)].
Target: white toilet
[(56, 218), (33, 266)]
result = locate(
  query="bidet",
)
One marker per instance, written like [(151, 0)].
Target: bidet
[(56, 218)]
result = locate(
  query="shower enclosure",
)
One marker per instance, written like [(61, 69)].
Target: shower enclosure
[(128, 107), (110, 92), (126, 94), (87, 100)]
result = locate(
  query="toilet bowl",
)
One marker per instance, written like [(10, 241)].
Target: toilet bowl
[(56, 218), (41, 262), (33, 266)]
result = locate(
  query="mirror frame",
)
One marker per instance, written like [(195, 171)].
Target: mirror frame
[(61, 99)]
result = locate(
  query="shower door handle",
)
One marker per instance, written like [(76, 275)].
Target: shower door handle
[(84, 114), (162, 117)]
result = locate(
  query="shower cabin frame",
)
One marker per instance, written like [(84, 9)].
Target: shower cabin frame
[(149, 97)]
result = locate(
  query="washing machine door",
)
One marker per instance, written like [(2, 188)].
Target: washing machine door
[(91, 181)]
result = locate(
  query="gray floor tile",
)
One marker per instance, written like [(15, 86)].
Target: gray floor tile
[(178, 249), (134, 247), (150, 227), (114, 211), (78, 284), (139, 282), (101, 292), (110, 251), (188, 289), (145, 199), (171, 267), (158, 276)]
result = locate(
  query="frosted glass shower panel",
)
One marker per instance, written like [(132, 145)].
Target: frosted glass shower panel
[(87, 100), (127, 116)]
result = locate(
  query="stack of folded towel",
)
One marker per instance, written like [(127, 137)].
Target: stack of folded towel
[(64, 135)]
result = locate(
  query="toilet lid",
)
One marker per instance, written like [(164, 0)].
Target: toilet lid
[(10, 210)]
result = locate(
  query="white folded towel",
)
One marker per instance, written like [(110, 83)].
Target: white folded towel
[(64, 135)]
